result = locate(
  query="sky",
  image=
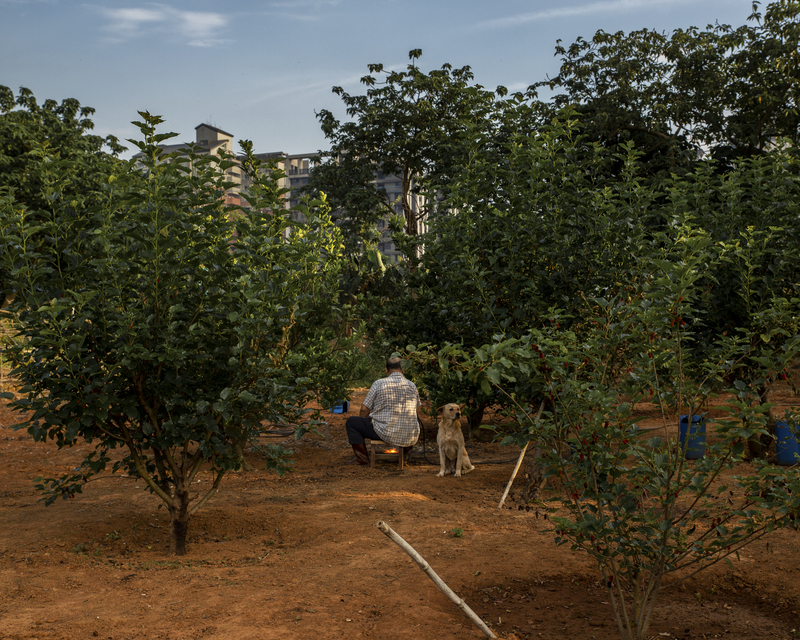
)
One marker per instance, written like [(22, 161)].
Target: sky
[(261, 70)]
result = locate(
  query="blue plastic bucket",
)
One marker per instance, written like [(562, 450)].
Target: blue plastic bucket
[(342, 407), (787, 446), (696, 433)]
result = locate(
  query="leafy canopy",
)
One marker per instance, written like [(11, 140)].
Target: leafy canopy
[(408, 124), (731, 92), (165, 329), (48, 146)]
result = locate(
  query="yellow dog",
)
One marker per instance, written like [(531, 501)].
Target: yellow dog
[(453, 456)]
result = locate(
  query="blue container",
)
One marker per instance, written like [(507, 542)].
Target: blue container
[(342, 407), (696, 434), (787, 447)]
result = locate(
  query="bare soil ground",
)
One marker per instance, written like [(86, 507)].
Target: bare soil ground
[(301, 557)]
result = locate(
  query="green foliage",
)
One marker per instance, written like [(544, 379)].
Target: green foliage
[(40, 144), (157, 321), (408, 124), (533, 231), (369, 366), (539, 227), (630, 498), (558, 274), (47, 148), (729, 91)]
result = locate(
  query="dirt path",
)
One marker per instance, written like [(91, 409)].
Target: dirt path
[(301, 557)]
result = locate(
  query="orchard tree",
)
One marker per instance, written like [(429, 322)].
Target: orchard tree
[(751, 214), (40, 144), (409, 124), (165, 329), (593, 295), (629, 497), (726, 91), (532, 230), (540, 227)]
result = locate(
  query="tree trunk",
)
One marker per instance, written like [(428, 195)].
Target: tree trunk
[(474, 420), (536, 480), (408, 210), (238, 448), (412, 227), (179, 522), (758, 444)]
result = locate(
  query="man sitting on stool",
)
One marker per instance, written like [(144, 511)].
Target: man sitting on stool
[(388, 413)]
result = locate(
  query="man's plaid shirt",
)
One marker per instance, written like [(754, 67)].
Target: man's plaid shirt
[(393, 403)]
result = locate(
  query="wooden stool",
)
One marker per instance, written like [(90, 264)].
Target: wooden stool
[(372, 444)]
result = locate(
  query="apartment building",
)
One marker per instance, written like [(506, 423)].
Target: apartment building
[(297, 169), (214, 141)]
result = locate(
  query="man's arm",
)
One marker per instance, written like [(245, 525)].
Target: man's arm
[(364, 411)]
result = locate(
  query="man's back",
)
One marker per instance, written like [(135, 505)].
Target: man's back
[(393, 403)]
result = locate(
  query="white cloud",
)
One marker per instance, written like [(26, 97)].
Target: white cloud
[(199, 27), (300, 4), (514, 87), (288, 88), (195, 28), (300, 10), (604, 6)]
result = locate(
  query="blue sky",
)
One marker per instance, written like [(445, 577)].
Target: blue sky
[(260, 69)]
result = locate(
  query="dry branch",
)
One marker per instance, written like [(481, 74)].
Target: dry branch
[(397, 539), (519, 462)]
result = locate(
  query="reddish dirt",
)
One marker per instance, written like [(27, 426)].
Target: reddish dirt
[(301, 557)]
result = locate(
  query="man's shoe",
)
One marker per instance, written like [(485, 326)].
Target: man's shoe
[(362, 455)]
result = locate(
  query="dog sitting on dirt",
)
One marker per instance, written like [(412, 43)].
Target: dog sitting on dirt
[(453, 456)]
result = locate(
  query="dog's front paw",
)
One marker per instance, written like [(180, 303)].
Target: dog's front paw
[(457, 474), (440, 474)]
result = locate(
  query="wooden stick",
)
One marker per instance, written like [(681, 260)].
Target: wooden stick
[(519, 462), (513, 475), (397, 539)]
